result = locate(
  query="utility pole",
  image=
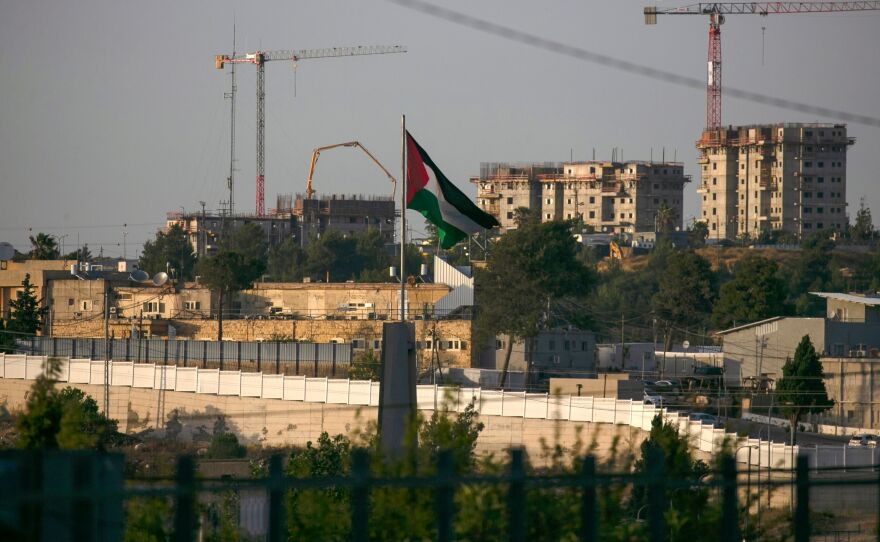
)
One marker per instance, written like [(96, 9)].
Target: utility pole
[(622, 354), (230, 180), (106, 346), (203, 249)]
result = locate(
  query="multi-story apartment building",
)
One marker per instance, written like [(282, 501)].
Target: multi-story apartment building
[(788, 177), (614, 197), (299, 219)]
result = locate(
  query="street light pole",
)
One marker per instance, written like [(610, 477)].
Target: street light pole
[(106, 346)]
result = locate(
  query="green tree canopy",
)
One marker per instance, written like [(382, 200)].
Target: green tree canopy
[(67, 418), (81, 254), (756, 292), (26, 315), (44, 247), (171, 249), (287, 262), (249, 240), (529, 271), (686, 290), (225, 273), (863, 227), (801, 390)]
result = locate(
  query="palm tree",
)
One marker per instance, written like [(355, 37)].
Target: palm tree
[(44, 247), (664, 218)]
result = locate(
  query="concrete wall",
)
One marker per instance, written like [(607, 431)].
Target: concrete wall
[(854, 384), (14, 272)]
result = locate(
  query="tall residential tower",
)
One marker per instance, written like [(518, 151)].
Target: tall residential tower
[(787, 177)]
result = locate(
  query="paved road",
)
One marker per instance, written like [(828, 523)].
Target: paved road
[(782, 435)]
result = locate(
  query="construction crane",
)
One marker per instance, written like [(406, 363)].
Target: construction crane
[(317, 153), (718, 10), (259, 59)]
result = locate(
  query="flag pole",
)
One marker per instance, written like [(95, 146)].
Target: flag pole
[(403, 219)]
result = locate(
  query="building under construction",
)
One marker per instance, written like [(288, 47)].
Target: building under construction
[(773, 177), (299, 218), (614, 197)]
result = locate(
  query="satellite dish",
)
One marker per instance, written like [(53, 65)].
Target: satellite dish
[(139, 275), (7, 251), (160, 278), (686, 345)]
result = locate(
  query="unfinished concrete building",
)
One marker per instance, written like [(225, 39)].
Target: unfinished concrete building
[(786, 177), (300, 219), (612, 197)]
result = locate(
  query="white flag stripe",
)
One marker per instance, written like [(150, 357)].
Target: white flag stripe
[(451, 215)]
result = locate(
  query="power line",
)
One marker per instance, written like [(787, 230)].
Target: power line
[(538, 42)]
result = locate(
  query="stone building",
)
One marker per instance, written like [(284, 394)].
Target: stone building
[(612, 197), (773, 177)]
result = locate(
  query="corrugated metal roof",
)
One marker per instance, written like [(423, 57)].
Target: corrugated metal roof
[(746, 326), (851, 298)]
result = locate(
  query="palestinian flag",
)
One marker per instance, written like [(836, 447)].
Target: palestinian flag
[(429, 192)]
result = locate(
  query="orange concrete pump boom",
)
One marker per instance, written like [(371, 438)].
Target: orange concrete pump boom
[(317, 152)]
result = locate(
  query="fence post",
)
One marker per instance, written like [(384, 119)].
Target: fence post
[(128, 349), (729, 519), (184, 509), (54, 346), (802, 510), (185, 353), (259, 357), (92, 349), (296, 353), (333, 358), (82, 509), (277, 523), (277, 357), (360, 495), (221, 354), (516, 498), (656, 496), (589, 528), (204, 354), (445, 493), (165, 354), (238, 354)]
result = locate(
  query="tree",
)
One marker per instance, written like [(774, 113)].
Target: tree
[(169, 249), (26, 315), (665, 218), (366, 366), (225, 273), (528, 270), (863, 228), (80, 255), (44, 247), (334, 255), (801, 390), (699, 232), (685, 294), (684, 504), (755, 293), (287, 262), (249, 240), (67, 418)]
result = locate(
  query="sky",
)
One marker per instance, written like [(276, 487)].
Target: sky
[(112, 113)]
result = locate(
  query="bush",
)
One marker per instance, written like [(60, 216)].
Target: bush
[(225, 445)]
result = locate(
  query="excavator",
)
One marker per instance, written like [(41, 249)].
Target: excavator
[(310, 192)]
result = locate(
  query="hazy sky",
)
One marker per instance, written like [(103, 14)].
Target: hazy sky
[(112, 112)]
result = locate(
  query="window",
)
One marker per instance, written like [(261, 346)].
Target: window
[(821, 164), (592, 214), (808, 164), (714, 197), (192, 305), (592, 199), (548, 216), (714, 165), (621, 215), (714, 211), (548, 201), (85, 305), (551, 345), (154, 307), (714, 180), (509, 215), (592, 170), (510, 201), (358, 344), (70, 302)]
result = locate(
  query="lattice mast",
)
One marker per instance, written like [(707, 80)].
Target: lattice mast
[(259, 59)]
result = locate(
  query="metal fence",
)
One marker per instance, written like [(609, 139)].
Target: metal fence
[(313, 359), (86, 500)]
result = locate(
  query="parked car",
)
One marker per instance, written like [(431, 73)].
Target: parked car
[(653, 399), (863, 441), (703, 417)]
